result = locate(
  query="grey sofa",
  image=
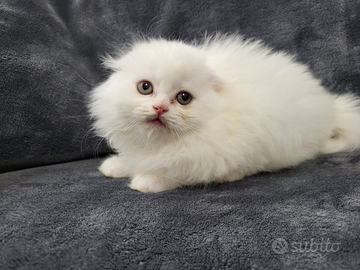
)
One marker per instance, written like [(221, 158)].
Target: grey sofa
[(58, 212)]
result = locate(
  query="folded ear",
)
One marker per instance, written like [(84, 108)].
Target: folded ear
[(218, 82), (111, 63)]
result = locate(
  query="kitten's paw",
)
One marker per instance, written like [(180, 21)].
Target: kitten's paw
[(150, 183), (112, 167)]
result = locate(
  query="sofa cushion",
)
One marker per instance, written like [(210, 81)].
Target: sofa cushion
[(69, 216), (50, 58)]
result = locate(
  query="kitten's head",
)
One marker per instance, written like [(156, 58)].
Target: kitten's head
[(160, 89)]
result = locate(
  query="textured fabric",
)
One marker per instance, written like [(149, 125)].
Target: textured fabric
[(45, 74), (70, 216)]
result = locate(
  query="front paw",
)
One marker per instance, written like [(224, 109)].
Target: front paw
[(113, 167), (151, 183)]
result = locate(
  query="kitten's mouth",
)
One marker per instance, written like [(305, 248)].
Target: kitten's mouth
[(157, 121)]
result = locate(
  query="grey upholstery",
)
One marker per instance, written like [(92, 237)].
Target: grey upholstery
[(57, 211)]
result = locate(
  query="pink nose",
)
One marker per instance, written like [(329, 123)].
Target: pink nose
[(160, 109)]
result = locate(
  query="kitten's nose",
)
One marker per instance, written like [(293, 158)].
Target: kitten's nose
[(160, 109)]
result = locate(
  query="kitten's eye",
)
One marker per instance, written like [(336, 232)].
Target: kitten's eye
[(145, 88), (183, 98)]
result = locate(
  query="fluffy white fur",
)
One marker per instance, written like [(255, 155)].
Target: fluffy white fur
[(252, 110)]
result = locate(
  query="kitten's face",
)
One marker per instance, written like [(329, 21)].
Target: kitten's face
[(161, 88)]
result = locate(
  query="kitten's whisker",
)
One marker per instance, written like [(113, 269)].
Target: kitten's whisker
[(147, 113), (84, 138), (97, 147), (182, 115), (177, 132), (89, 83), (118, 40), (129, 124), (73, 116), (150, 30)]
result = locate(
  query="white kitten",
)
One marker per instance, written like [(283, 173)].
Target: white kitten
[(183, 114)]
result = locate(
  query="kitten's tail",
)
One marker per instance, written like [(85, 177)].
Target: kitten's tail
[(346, 135)]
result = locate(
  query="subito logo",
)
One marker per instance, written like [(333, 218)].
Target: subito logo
[(279, 246)]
